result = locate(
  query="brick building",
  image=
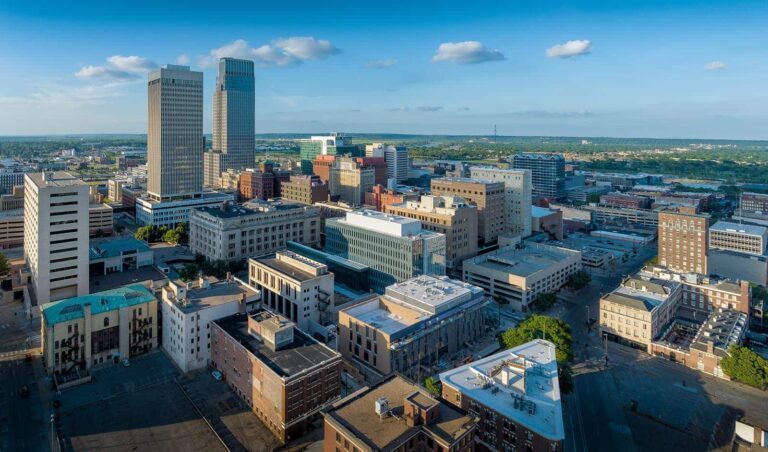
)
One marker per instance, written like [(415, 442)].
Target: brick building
[(683, 240)]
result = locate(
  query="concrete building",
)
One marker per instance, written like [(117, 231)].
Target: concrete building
[(285, 376), (548, 221), (703, 295), (102, 328), (448, 215), (234, 106), (13, 200), (519, 275), (547, 173), (56, 235), (396, 158), (188, 310), (349, 180), (379, 165), (732, 265), (414, 326), (396, 248), (115, 189), (741, 238), (396, 414), (298, 288), (305, 189), (380, 197), (9, 179), (100, 220), (620, 216), (756, 203), (585, 194), (488, 196), (683, 241), (517, 195), (171, 213), (639, 310), (333, 144), (232, 232), (11, 229), (625, 201), (515, 394), (117, 255)]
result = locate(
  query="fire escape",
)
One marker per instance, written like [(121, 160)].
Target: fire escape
[(140, 335), (325, 302), (71, 354)]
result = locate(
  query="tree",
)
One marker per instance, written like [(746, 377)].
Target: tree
[(182, 233), (171, 236), (119, 228), (189, 272), (541, 327), (434, 386), (544, 301), (746, 366), (145, 233), (579, 280), (5, 267)]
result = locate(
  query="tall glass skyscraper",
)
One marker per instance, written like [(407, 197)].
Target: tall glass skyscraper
[(233, 120)]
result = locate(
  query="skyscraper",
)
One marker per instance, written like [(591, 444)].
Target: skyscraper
[(175, 134), (396, 157), (517, 195), (233, 120), (683, 240), (547, 171)]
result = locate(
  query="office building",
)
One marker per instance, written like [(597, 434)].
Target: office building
[(286, 377), (396, 248), (379, 166), (448, 215), (349, 180), (188, 310), (520, 275), (56, 235), (333, 144), (547, 173), (639, 310), (683, 239), (305, 189), (233, 144), (396, 414), (740, 238), (13, 200), (233, 232), (298, 288), (321, 167), (171, 213), (734, 265), (625, 201), (756, 203), (100, 220), (413, 327), (517, 196), (115, 189), (547, 221), (349, 274), (396, 158), (515, 394), (256, 185), (9, 179), (117, 255), (101, 328), (488, 196), (11, 229), (379, 197), (703, 295)]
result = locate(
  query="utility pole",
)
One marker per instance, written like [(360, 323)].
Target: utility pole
[(605, 337), (589, 325)]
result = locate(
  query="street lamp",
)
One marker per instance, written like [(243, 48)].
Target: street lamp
[(589, 325)]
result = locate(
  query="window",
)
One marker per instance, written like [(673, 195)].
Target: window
[(106, 322)]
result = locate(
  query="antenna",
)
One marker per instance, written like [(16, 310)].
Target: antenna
[(494, 133)]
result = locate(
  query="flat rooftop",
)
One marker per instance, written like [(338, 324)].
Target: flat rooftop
[(374, 313), (384, 223), (286, 269), (109, 300), (520, 383), (357, 414), (119, 279), (302, 355), (116, 246), (727, 226), (524, 262), (249, 208), (466, 180), (433, 294), (724, 327), (218, 293), (55, 179)]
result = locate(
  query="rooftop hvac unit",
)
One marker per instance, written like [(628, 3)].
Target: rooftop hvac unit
[(382, 407)]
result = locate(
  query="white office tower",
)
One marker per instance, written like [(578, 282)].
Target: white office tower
[(56, 235), (396, 157), (233, 121), (518, 189), (175, 134)]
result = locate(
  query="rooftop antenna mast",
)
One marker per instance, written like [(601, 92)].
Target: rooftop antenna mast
[(494, 134)]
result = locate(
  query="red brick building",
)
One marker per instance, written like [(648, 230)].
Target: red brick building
[(625, 201), (379, 165), (379, 197), (322, 166)]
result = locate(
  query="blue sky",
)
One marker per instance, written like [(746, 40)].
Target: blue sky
[(687, 69)]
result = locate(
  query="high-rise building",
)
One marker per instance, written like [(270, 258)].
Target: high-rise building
[(683, 241), (448, 215), (321, 166), (56, 235), (488, 196), (395, 248), (378, 164), (547, 172), (349, 181), (517, 195), (233, 120), (395, 156), (333, 144), (305, 189), (175, 134)]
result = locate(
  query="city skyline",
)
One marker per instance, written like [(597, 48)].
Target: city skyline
[(642, 69)]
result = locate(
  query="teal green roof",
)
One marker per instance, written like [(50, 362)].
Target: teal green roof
[(73, 308), (114, 247)]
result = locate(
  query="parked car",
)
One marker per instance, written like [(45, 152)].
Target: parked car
[(217, 375), (126, 362)]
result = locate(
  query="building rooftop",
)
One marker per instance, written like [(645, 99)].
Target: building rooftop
[(520, 383), (434, 294), (724, 327), (374, 312), (73, 308), (256, 207), (393, 225), (727, 226), (539, 156), (302, 355), (286, 268), (145, 275), (357, 414), (643, 293), (216, 293), (523, 262), (466, 180), (54, 179), (116, 246), (540, 212)]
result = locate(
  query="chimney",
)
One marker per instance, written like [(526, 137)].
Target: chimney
[(710, 347)]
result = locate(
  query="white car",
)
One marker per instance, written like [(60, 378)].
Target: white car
[(217, 375)]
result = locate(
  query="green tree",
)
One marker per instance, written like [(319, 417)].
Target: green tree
[(541, 327), (171, 236), (189, 272), (5, 267), (145, 233), (434, 386), (746, 366), (182, 233), (544, 301), (119, 228), (579, 280)]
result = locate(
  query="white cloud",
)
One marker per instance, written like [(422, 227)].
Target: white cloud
[(715, 66), (183, 59), (381, 64), (570, 49), (467, 52), (118, 67), (280, 52)]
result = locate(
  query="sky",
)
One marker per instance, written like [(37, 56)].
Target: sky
[(662, 69)]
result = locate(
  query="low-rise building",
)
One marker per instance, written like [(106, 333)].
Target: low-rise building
[(519, 275), (114, 255), (549, 221), (13, 200), (232, 232), (625, 201), (414, 326), (380, 197), (754, 203), (285, 376), (396, 414), (305, 189), (171, 213), (188, 310), (702, 294), (104, 327), (741, 238), (734, 265), (11, 228), (515, 394)]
